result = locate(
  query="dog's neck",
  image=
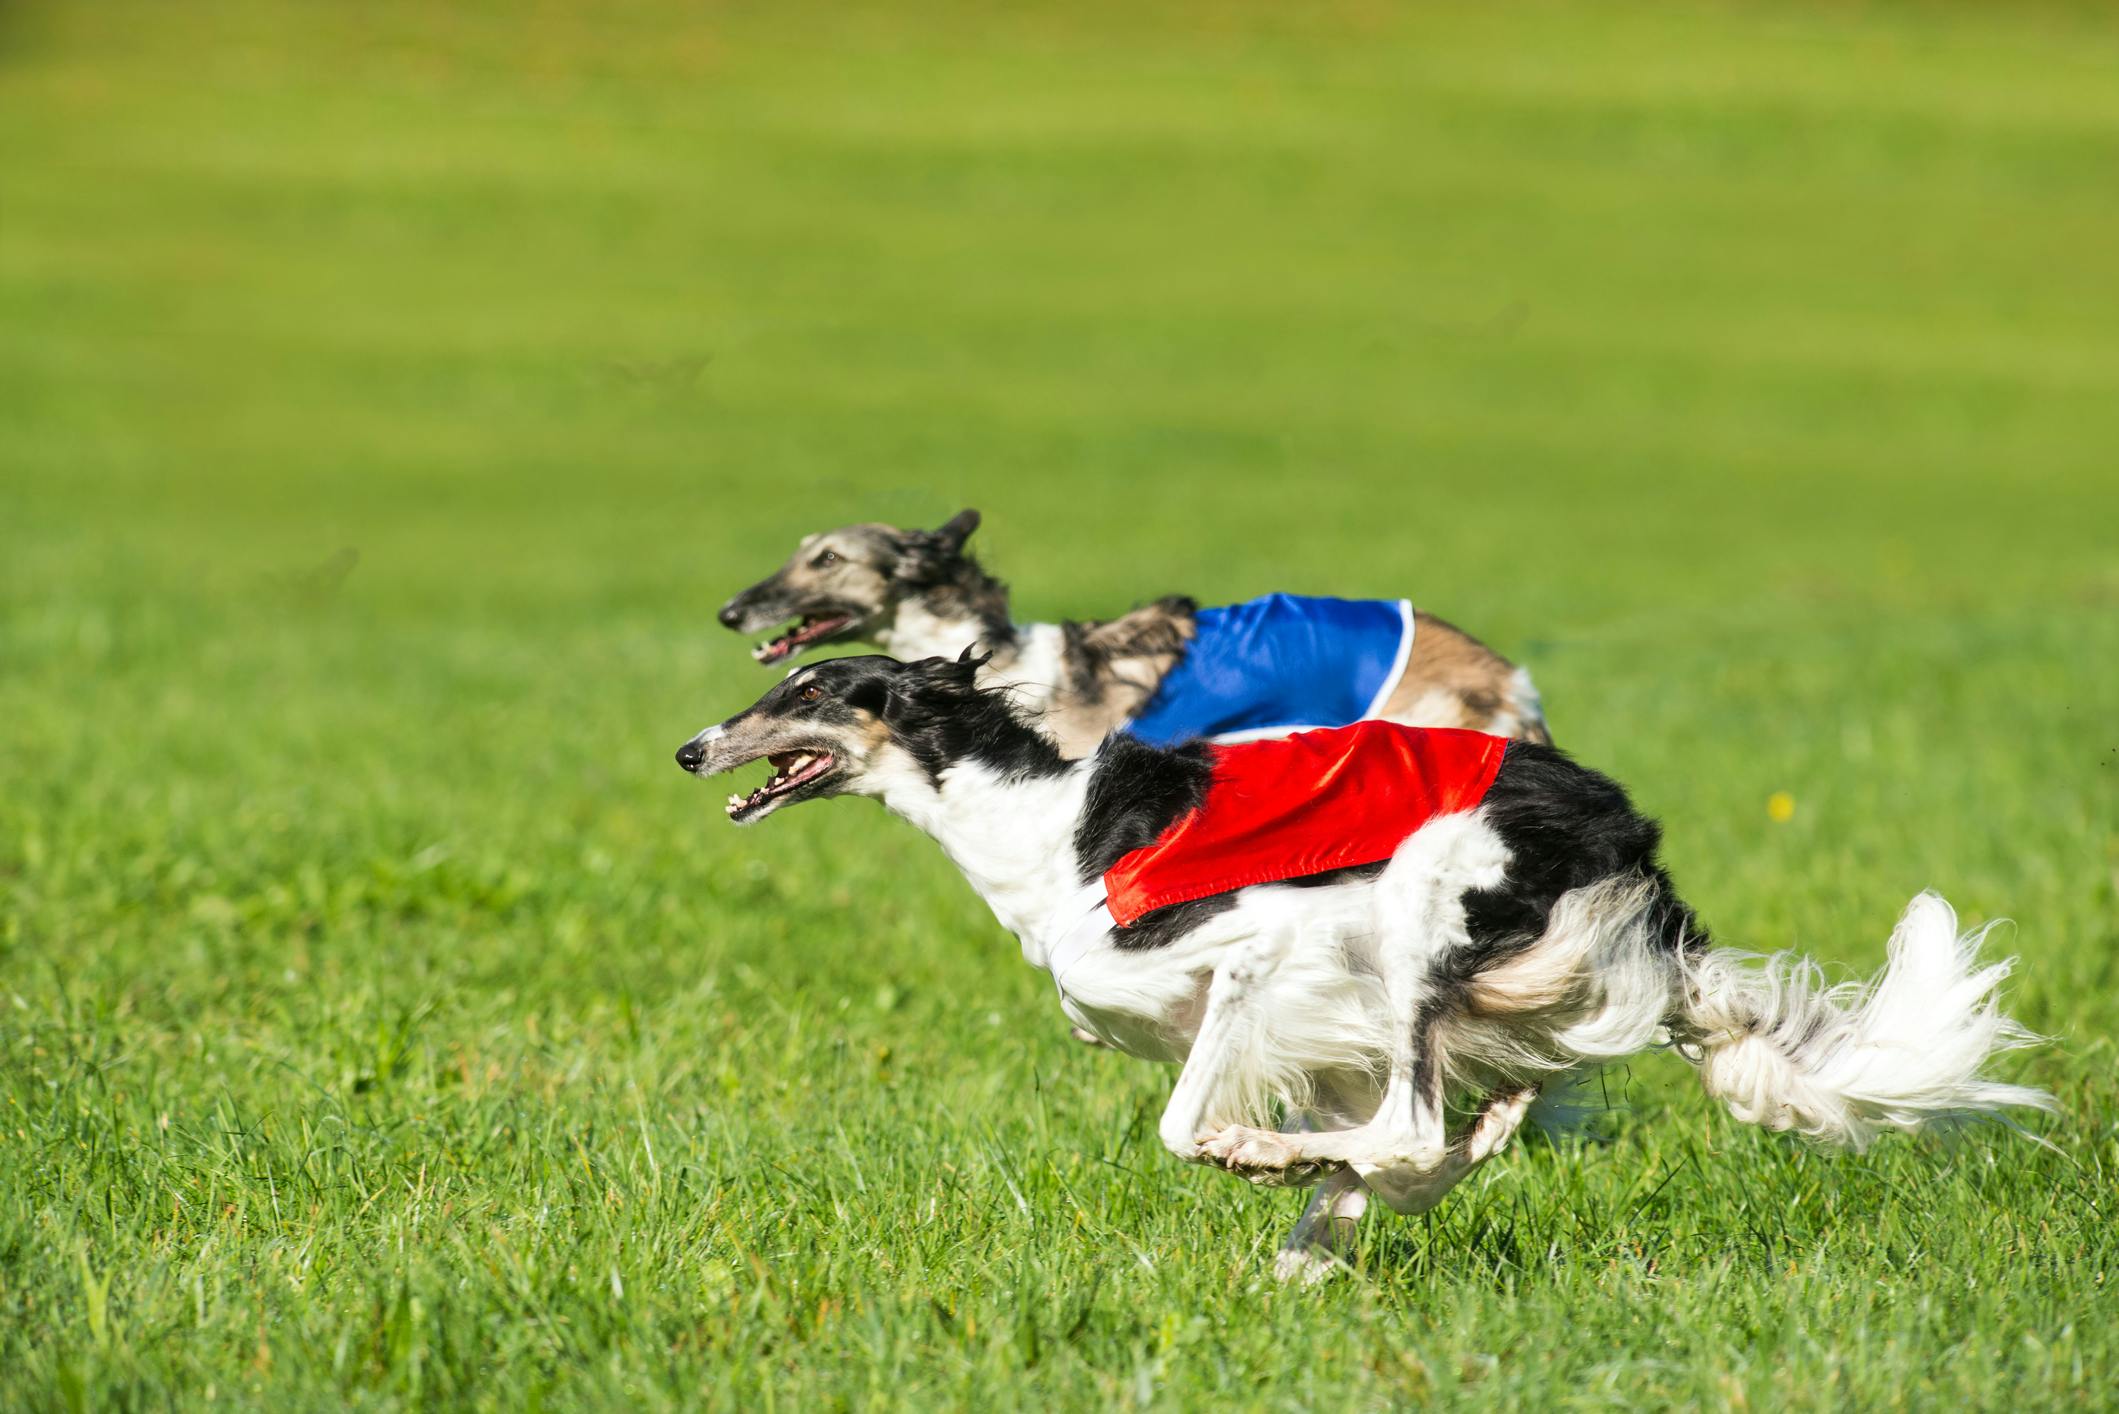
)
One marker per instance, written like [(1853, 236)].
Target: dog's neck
[(968, 609), (1011, 835), (1029, 661), (920, 629)]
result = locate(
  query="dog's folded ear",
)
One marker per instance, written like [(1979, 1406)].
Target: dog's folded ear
[(960, 669), (929, 688), (929, 557), (958, 529)]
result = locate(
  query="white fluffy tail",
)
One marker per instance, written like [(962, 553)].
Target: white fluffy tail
[(1844, 1063)]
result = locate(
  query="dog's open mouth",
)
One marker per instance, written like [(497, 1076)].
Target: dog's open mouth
[(811, 628), (792, 770)]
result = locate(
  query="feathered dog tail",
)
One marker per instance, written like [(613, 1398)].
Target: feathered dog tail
[(1844, 1063)]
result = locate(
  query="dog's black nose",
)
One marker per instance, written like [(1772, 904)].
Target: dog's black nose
[(690, 755), (730, 615)]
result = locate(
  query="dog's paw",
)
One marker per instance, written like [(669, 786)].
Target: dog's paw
[(1497, 1125), (1306, 1265), (1086, 1037), (1261, 1156)]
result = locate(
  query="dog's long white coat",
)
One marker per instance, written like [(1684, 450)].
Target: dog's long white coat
[(1296, 981)]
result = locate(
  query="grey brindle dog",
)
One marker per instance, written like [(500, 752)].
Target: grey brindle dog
[(918, 594)]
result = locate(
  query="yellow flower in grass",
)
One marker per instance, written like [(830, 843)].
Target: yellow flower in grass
[(1780, 807)]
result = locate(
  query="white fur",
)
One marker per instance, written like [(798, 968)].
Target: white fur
[(1417, 911), (1029, 670), (1305, 999), (1436, 706), (1844, 1063), (916, 631), (1031, 675), (1012, 840), (1596, 988), (1520, 707)]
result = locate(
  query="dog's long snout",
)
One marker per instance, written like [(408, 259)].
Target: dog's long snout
[(692, 756), (731, 613)]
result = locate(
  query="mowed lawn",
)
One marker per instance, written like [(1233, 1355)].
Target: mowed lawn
[(389, 394)]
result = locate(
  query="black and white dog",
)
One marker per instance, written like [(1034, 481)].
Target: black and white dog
[(1168, 671), (1496, 950)]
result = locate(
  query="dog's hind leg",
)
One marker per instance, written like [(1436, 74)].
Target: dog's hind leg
[(1412, 1189), (1325, 1231), (1411, 1180)]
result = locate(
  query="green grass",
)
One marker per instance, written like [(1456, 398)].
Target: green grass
[(385, 1022)]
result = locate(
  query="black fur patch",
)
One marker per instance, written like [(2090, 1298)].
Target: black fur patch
[(937, 711), (1166, 925), (1136, 791), (1565, 826), (934, 708)]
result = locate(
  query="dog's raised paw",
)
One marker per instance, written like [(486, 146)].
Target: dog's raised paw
[(1261, 1156)]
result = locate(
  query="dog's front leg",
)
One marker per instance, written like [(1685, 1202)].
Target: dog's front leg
[(1233, 1013)]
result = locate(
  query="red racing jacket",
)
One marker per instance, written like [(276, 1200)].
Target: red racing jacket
[(1305, 804)]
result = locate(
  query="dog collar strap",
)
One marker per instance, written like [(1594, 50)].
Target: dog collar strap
[(1303, 805), (1083, 924)]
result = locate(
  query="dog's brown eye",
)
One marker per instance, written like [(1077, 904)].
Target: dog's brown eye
[(812, 693), (825, 560)]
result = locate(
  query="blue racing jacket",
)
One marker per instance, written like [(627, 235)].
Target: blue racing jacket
[(1283, 663)]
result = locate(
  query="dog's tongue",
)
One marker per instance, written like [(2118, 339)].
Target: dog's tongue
[(774, 649), (806, 631)]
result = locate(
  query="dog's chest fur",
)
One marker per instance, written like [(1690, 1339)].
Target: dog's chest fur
[(917, 631)]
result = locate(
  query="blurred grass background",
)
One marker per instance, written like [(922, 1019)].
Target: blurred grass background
[(388, 394)]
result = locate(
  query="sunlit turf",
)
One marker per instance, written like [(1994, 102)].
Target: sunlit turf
[(388, 395)]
